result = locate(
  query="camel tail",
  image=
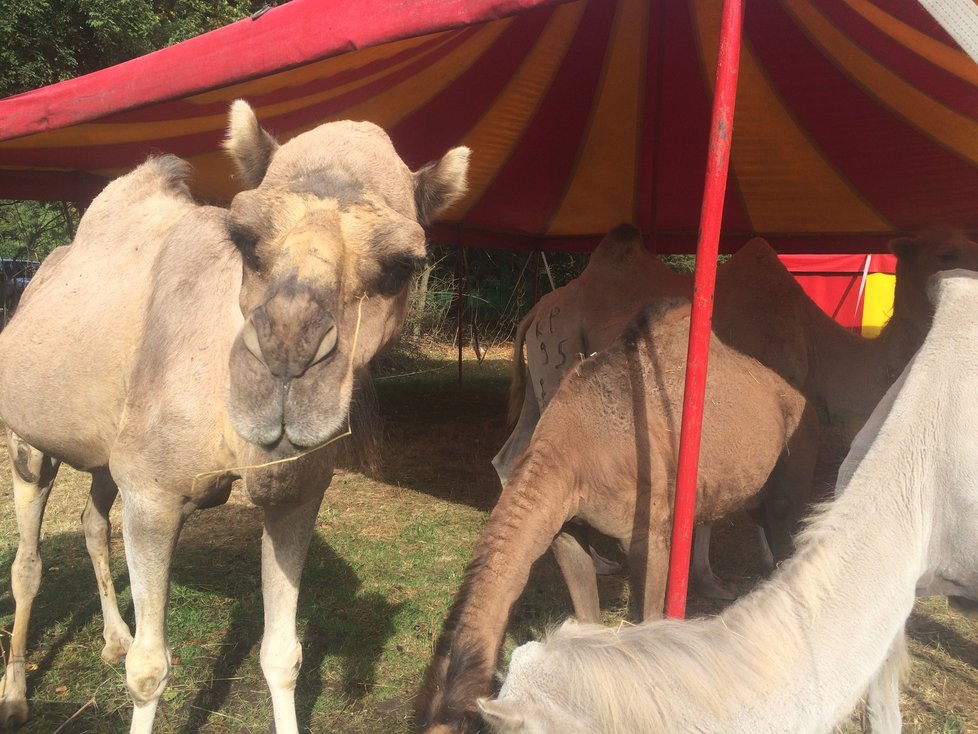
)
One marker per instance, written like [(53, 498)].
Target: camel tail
[(517, 382)]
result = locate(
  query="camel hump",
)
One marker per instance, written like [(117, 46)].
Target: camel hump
[(756, 249), (163, 174), (756, 260), (617, 246), (622, 253)]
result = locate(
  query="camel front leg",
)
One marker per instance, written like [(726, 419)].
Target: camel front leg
[(285, 542), (33, 475), (883, 696), (648, 568), (150, 529), (98, 533), (570, 548)]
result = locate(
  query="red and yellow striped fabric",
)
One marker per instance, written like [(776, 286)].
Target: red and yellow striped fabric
[(856, 120)]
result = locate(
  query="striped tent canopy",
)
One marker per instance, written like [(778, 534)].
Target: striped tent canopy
[(856, 120)]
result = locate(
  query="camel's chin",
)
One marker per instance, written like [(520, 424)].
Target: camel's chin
[(287, 438)]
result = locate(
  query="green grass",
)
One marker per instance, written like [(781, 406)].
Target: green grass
[(388, 555)]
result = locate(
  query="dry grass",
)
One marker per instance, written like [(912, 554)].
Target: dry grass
[(389, 554)]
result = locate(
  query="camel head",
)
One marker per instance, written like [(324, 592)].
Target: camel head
[(329, 232), (918, 258)]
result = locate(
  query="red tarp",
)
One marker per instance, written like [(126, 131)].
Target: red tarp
[(837, 283), (857, 120)]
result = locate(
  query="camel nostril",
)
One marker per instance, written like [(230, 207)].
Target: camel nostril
[(249, 336), (327, 346)]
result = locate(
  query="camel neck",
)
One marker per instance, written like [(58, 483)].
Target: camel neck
[(851, 585), (850, 373)]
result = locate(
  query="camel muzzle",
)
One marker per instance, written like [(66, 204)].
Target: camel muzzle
[(289, 335)]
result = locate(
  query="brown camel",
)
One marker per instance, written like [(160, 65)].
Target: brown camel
[(760, 310), (174, 347), (786, 332), (604, 452)]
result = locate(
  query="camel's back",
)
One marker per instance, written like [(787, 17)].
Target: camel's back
[(589, 313), (638, 385), (67, 353)]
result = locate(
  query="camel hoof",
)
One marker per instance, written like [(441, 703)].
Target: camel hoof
[(13, 712), (115, 651), (713, 589)]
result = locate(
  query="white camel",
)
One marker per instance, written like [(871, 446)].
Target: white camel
[(228, 350), (797, 653)]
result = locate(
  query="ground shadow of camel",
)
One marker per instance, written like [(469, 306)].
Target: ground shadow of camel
[(446, 432), (335, 620)]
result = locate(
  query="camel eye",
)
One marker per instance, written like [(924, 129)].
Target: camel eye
[(245, 240), (395, 272), (950, 256)]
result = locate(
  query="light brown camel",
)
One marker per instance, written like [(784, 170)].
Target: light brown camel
[(174, 347), (796, 654), (760, 310), (604, 452)]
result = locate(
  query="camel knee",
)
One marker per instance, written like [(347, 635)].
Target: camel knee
[(280, 662), (25, 574), (147, 672)]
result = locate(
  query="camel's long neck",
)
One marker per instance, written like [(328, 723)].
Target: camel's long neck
[(533, 506), (828, 620), (849, 374)]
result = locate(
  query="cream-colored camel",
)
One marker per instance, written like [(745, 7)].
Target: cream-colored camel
[(604, 452), (760, 310), (226, 348), (796, 654)]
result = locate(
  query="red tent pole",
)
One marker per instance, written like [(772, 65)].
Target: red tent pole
[(721, 130)]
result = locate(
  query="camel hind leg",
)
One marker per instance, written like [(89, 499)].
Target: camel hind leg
[(33, 475), (702, 580), (98, 532), (570, 548)]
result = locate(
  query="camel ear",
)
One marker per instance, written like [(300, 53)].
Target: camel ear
[(441, 183), (250, 146), (500, 715), (902, 247)]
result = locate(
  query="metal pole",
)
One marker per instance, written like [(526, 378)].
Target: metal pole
[(721, 131)]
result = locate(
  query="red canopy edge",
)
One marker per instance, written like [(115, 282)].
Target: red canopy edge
[(295, 33), (844, 245)]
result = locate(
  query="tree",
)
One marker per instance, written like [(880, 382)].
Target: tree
[(46, 41)]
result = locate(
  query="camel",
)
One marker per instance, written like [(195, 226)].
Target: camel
[(604, 452), (798, 343), (760, 310), (227, 351), (796, 653)]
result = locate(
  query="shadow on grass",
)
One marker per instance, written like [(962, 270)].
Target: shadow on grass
[(440, 435), (337, 619)]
